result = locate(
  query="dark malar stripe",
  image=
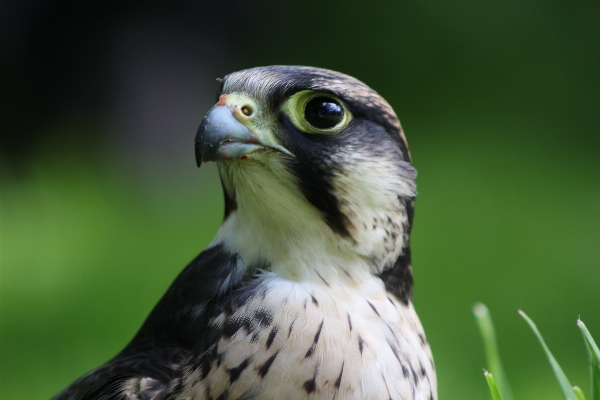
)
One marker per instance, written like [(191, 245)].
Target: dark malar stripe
[(314, 177), (398, 279), (230, 202)]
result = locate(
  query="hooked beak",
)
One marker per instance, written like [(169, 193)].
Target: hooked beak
[(222, 137)]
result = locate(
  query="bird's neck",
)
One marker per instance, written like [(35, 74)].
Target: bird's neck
[(304, 250), (273, 226), (294, 242)]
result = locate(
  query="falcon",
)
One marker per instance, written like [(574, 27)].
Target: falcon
[(306, 290)]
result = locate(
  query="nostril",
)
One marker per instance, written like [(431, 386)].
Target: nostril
[(247, 110)]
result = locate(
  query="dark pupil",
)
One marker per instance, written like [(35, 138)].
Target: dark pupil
[(323, 112)]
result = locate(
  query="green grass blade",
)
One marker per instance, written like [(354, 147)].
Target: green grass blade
[(566, 387), (578, 393), (490, 344), (594, 359), (595, 382), (493, 387)]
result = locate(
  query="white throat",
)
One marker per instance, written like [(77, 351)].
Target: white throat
[(275, 226)]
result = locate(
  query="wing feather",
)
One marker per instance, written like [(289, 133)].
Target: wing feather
[(152, 363)]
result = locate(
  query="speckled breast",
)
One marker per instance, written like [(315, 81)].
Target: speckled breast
[(301, 340)]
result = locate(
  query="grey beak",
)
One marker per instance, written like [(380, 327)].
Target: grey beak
[(222, 137)]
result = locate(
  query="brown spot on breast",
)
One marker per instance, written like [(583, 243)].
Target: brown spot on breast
[(374, 309), (271, 337), (415, 377), (347, 273), (234, 373), (404, 371), (314, 300), (311, 384), (323, 279), (231, 326), (292, 326), (311, 350), (263, 369), (338, 381), (223, 395), (349, 322), (263, 317)]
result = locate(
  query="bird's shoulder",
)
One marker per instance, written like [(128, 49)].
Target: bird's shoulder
[(176, 328), (142, 375)]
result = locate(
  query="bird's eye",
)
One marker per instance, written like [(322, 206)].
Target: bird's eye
[(315, 112), (323, 112)]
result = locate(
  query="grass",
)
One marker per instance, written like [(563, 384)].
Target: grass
[(497, 381)]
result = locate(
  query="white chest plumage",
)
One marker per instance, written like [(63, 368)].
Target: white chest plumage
[(303, 340)]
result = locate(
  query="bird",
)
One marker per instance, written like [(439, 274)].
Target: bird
[(306, 290)]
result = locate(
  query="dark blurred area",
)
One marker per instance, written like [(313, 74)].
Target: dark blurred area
[(133, 71), (102, 205)]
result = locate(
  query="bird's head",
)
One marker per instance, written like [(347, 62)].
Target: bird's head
[(315, 168)]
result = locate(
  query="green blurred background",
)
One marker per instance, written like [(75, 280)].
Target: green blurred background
[(102, 205)]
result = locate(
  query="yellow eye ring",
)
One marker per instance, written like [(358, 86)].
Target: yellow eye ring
[(315, 112)]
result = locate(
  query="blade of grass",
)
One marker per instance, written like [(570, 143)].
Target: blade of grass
[(490, 344), (564, 383), (578, 393), (594, 359), (595, 369), (493, 386)]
